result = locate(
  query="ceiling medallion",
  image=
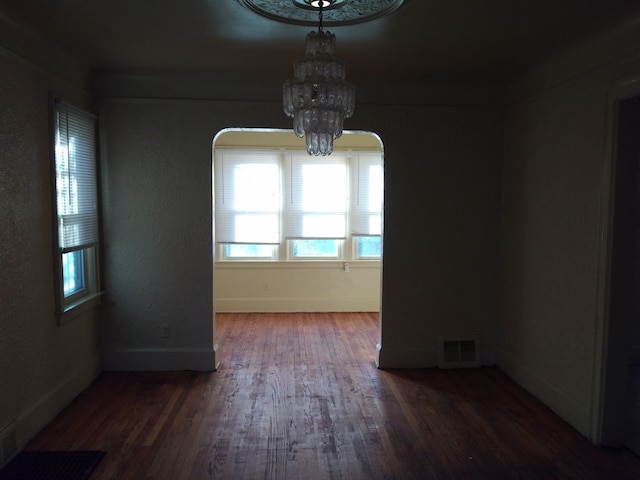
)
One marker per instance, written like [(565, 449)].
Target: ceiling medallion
[(340, 12)]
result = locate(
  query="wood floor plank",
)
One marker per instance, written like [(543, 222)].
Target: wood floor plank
[(298, 397)]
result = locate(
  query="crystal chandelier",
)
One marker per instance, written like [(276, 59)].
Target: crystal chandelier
[(318, 97)]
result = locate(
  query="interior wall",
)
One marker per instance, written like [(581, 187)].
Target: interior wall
[(297, 287), (554, 223), (43, 366), (442, 174), (157, 221)]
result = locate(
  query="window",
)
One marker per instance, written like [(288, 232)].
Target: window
[(248, 205), (286, 205), (316, 205), (367, 207), (76, 209)]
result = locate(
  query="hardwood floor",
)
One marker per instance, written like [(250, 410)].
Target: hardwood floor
[(298, 397)]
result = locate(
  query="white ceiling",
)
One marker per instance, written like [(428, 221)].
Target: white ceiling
[(424, 38)]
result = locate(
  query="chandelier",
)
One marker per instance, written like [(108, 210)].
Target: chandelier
[(318, 97)]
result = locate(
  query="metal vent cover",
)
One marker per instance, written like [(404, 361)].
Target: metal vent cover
[(459, 352)]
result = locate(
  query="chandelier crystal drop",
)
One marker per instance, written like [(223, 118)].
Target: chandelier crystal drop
[(318, 97)]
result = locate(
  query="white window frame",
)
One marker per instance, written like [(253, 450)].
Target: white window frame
[(88, 296)]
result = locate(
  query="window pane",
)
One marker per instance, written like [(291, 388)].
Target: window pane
[(368, 247), (247, 196), (375, 188), (73, 272), (316, 197), (322, 225), (315, 248), (76, 188), (367, 195), (249, 251), (375, 224), (323, 188), (256, 187), (255, 227)]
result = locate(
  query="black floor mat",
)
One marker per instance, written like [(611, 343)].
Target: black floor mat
[(52, 465)]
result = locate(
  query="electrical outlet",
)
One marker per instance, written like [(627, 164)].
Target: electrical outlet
[(165, 331)]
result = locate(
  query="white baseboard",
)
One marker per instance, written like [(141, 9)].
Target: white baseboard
[(156, 359), (564, 405), (39, 414), (293, 304), (406, 357)]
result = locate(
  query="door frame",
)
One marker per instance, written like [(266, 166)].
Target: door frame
[(607, 389)]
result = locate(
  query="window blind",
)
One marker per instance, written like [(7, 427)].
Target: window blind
[(76, 181), (247, 197), (316, 196), (367, 194)]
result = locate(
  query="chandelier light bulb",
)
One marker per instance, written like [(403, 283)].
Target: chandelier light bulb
[(319, 3)]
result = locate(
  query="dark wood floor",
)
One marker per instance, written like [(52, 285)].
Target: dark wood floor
[(298, 397)]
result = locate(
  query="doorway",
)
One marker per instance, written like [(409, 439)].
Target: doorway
[(621, 392), (295, 273)]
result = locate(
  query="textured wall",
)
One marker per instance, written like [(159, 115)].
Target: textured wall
[(442, 208), (42, 365), (554, 226), (553, 180), (157, 224)]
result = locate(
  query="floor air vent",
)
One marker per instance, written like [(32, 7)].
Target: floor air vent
[(458, 352)]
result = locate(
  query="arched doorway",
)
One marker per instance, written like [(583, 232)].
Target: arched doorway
[(329, 274)]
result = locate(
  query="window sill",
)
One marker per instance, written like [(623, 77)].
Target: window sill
[(299, 264), (79, 307)]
